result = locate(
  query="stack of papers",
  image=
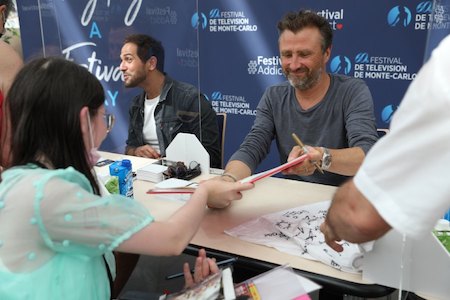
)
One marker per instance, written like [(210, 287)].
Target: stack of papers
[(151, 172), (174, 186)]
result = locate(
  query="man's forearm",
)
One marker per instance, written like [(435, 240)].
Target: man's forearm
[(346, 161), (237, 169)]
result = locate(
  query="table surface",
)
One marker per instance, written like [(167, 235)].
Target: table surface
[(269, 195)]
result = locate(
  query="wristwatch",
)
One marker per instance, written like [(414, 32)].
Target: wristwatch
[(326, 159)]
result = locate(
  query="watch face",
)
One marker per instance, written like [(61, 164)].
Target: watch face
[(326, 160)]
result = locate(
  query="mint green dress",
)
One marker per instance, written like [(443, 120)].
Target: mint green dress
[(54, 233)]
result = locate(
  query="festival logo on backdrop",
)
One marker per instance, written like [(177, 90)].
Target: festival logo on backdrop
[(340, 64), (372, 67), (423, 15), (231, 104), (161, 15), (265, 66), (402, 16), (223, 21), (187, 57), (199, 20), (335, 17), (399, 15), (387, 113)]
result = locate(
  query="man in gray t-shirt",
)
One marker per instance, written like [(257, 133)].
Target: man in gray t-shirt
[(332, 114)]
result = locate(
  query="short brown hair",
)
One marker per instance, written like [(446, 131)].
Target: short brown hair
[(296, 21)]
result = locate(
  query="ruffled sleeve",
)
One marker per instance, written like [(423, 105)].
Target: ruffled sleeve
[(72, 219)]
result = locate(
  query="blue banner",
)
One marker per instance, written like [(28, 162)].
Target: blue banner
[(229, 48)]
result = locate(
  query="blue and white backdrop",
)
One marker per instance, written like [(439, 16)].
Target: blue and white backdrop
[(228, 48)]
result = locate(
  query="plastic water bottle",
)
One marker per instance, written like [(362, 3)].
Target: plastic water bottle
[(122, 169), (128, 178)]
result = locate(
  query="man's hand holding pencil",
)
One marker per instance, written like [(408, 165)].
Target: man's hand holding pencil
[(307, 167)]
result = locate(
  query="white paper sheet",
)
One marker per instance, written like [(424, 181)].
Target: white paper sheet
[(297, 231)]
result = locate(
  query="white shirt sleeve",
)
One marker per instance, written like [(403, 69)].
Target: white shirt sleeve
[(405, 174)]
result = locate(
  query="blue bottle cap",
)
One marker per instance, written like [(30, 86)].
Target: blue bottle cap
[(126, 163)]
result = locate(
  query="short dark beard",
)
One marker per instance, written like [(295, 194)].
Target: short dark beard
[(134, 83), (307, 83)]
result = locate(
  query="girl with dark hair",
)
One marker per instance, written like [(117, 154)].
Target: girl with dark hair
[(56, 231)]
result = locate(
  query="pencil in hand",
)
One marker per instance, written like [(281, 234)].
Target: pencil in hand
[(305, 150)]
